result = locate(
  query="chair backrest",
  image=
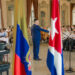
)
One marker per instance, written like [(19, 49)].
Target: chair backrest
[(2, 46)]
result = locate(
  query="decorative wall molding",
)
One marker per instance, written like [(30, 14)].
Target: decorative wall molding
[(44, 12)]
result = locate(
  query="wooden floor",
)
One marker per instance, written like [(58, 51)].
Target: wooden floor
[(40, 67)]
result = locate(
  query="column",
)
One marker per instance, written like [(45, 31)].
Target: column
[(4, 12), (1, 16)]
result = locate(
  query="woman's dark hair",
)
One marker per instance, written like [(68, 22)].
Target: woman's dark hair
[(4, 28)]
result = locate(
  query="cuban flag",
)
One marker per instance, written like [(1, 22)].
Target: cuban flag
[(22, 63), (55, 53)]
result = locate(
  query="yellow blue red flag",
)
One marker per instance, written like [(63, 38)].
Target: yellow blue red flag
[(22, 64)]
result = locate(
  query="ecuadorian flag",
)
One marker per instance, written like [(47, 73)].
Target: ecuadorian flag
[(22, 64)]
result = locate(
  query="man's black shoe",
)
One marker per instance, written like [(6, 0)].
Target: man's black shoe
[(38, 59)]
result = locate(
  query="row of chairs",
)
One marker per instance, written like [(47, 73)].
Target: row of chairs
[(4, 64)]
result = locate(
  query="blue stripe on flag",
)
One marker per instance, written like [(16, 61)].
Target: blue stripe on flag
[(50, 63), (22, 48)]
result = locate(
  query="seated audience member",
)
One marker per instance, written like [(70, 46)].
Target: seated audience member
[(63, 30), (11, 36), (8, 30), (1, 33), (74, 28), (66, 36), (72, 40), (5, 33)]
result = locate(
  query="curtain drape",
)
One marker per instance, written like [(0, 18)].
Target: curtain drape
[(29, 6), (35, 4)]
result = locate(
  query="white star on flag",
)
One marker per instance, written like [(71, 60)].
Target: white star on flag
[(53, 29)]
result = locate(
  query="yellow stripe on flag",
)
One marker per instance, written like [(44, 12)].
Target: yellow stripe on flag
[(19, 18), (14, 32)]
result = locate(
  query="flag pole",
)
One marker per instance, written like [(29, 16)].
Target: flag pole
[(14, 33)]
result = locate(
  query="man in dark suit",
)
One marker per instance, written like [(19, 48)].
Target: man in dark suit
[(36, 37)]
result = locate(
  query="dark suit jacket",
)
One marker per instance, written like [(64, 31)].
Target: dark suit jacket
[(35, 32)]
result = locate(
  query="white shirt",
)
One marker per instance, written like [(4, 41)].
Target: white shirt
[(65, 35), (72, 36), (4, 39), (1, 34)]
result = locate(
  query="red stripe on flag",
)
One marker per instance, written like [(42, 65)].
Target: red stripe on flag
[(18, 67), (56, 41)]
